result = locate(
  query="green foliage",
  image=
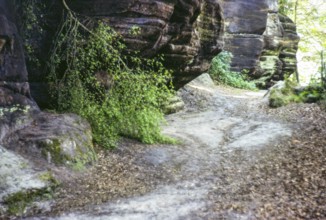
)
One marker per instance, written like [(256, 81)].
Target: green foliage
[(323, 70), (310, 19), (316, 90), (284, 95), (290, 93), (48, 177), (135, 30), (285, 6), (131, 107), (220, 71), (20, 201), (31, 27), (312, 93)]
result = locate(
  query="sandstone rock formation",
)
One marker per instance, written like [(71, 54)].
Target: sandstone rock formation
[(262, 41), (14, 87), (191, 32), (18, 175), (188, 32), (26, 132), (63, 139)]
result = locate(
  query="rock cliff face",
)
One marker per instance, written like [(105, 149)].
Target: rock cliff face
[(14, 87), (191, 32), (261, 40), (64, 139), (188, 32)]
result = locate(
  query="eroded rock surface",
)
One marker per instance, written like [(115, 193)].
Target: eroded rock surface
[(14, 87), (22, 125), (263, 42), (27, 133), (191, 32), (216, 124), (188, 32), (17, 175), (61, 139)]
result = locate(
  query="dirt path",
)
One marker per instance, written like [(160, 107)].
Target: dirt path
[(228, 143)]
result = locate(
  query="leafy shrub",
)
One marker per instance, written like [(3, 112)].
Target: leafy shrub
[(220, 71), (278, 98), (283, 95), (132, 107), (312, 93), (290, 92)]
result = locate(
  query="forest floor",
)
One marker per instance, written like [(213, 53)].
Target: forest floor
[(238, 159)]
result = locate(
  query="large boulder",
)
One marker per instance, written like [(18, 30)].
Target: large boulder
[(64, 139), (19, 182)]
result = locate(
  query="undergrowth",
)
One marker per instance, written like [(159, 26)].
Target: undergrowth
[(291, 93), (131, 106), (283, 95), (221, 72), (315, 92)]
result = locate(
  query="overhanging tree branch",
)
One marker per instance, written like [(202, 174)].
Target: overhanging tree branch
[(73, 16)]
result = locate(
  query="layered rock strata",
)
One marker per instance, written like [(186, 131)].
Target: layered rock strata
[(188, 32), (191, 32), (262, 41)]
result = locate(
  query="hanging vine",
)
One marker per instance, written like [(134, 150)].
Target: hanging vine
[(132, 107)]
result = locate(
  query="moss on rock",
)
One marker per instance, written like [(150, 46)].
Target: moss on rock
[(283, 94), (17, 203), (68, 152)]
